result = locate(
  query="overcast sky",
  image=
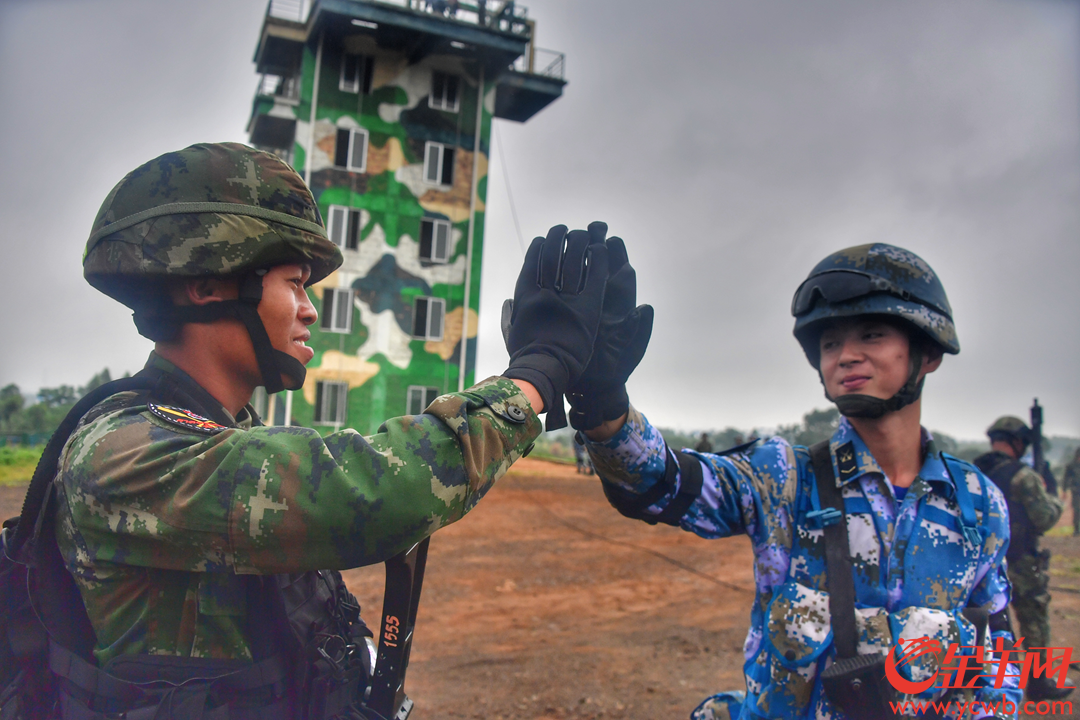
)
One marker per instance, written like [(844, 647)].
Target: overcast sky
[(732, 143)]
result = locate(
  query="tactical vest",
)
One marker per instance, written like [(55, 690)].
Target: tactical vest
[(309, 648), (1023, 538)]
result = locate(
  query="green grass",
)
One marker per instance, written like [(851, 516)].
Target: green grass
[(17, 463), (552, 458)]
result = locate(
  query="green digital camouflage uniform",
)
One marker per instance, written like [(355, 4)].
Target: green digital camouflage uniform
[(158, 520), (1032, 511), (1071, 483), (162, 512)]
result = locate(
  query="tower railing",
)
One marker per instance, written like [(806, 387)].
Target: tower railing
[(502, 15), (551, 63)]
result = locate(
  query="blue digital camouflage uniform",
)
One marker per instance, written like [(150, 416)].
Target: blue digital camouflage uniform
[(160, 513), (914, 571)]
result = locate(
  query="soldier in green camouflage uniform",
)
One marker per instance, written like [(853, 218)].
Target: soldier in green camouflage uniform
[(1032, 511), (1072, 486), (169, 499)]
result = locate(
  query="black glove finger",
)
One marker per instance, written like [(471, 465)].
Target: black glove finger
[(642, 324), (596, 275), (621, 294), (529, 278), (597, 231), (551, 257), (616, 250), (506, 320), (572, 277)]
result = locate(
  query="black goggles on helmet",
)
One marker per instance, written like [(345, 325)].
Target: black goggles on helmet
[(837, 286)]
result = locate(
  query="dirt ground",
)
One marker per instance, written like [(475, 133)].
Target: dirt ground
[(545, 604)]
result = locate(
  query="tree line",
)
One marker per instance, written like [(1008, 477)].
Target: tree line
[(44, 416), (816, 425)]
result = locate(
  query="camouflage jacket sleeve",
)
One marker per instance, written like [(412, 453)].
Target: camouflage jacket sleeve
[(1042, 508), (736, 497), (142, 492)]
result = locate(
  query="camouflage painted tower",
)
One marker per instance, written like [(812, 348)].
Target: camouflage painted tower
[(385, 108)]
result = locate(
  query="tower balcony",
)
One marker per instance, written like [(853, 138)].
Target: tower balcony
[(273, 123), (497, 34)]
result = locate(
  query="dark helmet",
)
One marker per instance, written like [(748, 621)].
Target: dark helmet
[(1010, 428), (207, 210), (875, 279)]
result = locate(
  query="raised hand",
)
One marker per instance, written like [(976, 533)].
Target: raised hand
[(623, 335), (551, 325)]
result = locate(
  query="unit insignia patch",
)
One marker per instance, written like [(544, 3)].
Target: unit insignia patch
[(185, 419), (845, 461)]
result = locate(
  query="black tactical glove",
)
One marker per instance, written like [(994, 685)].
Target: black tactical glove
[(550, 325), (600, 392)]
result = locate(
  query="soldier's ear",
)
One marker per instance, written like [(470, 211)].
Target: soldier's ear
[(932, 356), (200, 291)]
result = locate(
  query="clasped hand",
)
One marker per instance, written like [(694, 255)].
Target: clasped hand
[(573, 329)]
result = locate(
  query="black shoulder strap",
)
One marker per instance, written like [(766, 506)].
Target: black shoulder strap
[(841, 581), (38, 491)]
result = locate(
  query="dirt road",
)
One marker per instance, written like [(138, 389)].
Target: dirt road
[(545, 604)]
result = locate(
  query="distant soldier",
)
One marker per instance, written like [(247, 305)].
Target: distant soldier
[(704, 444), (1071, 483), (584, 464), (1032, 511)]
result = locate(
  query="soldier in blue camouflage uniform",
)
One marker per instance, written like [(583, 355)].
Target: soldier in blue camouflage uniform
[(873, 321), (1032, 511), (172, 500)]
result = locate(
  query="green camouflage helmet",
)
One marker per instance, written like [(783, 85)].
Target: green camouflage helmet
[(875, 279), (1010, 427), (209, 209)]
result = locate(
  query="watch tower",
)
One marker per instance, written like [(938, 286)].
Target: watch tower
[(385, 108)]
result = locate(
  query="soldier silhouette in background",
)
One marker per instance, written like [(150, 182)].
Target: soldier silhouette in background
[(1032, 511), (1071, 484)]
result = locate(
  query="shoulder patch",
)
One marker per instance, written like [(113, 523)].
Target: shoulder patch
[(185, 419)]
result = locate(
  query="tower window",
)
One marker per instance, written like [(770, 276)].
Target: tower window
[(355, 73), (444, 92), (274, 409), (420, 398), (331, 402), (428, 318), (439, 164), (350, 150), (337, 307), (260, 402), (434, 240), (343, 227)]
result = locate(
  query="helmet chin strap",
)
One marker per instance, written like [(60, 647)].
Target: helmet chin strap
[(163, 324), (870, 407), (273, 363)]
